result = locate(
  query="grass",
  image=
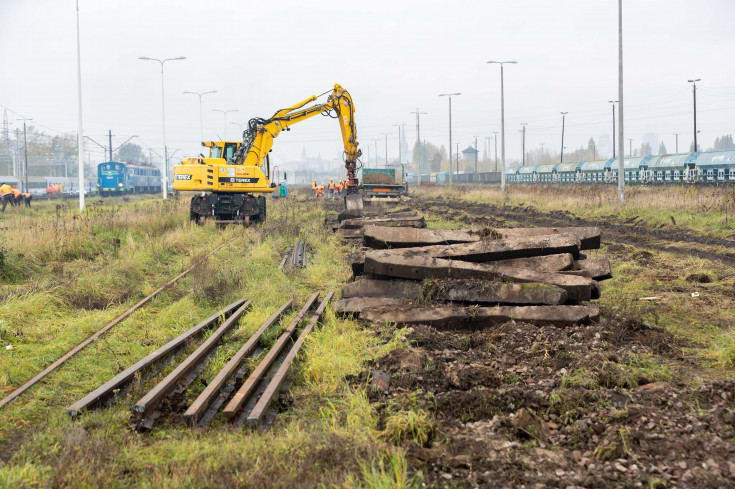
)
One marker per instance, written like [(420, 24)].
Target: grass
[(66, 275)]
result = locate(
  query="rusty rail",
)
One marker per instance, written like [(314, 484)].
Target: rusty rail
[(197, 409), (20, 390), (150, 402), (256, 415), (106, 390), (243, 394)]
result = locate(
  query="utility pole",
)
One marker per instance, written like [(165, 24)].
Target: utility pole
[(109, 134), (630, 148), (399, 142), (224, 113), (457, 153), (563, 118), (476, 152), (422, 163), (613, 102), (496, 150), (376, 152), (450, 130), (25, 150), (677, 141), (386, 149), (694, 92), (621, 141), (523, 124)]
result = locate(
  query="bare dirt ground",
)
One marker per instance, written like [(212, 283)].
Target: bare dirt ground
[(614, 404)]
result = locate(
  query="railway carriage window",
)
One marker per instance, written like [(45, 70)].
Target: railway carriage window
[(721, 174), (732, 174), (710, 174), (676, 175)]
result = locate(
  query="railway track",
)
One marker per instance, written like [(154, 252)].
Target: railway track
[(296, 257), (256, 384)]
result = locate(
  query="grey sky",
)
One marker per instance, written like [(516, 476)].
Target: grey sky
[(393, 56)]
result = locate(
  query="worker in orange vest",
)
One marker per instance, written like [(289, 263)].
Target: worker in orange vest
[(313, 188), (6, 195), (17, 196), (331, 188), (339, 187), (27, 197), (319, 191)]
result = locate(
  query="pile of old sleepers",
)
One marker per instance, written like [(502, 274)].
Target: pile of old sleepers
[(352, 227), (456, 278)]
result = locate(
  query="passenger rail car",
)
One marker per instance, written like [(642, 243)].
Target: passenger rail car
[(115, 178)]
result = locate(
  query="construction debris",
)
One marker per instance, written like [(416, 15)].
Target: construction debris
[(296, 257), (456, 278)]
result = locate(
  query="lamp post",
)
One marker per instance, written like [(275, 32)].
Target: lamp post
[(613, 102), (80, 133), (399, 142), (25, 150), (239, 126), (164, 176), (621, 142), (563, 119), (694, 91), (386, 149), (450, 129), (224, 113), (201, 117), (630, 148), (676, 134), (502, 119)]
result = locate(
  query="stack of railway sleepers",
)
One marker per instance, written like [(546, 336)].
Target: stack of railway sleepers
[(451, 278), (352, 227)]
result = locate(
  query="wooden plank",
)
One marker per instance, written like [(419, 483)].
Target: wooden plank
[(199, 406), (589, 237), (458, 317), (104, 391), (261, 407), (153, 398), (382, 237), (450, 290), (598, 267), (418, 267), (257, 374)]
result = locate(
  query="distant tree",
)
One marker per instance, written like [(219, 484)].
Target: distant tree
[(646, 149), (662, 149), (725, 142), (130, 152), (434, 156)]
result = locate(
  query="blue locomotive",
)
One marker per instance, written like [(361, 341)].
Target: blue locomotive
[(115, 178)]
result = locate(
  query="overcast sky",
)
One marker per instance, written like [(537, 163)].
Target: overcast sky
[(392, 56)]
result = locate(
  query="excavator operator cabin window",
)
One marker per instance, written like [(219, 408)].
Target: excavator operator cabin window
[(215, 152), (230, 149)]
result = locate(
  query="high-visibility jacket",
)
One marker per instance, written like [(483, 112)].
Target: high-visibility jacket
[(339, 186), (313, 185), (27, 195), (5, 189), (331, 185), (16, 193)]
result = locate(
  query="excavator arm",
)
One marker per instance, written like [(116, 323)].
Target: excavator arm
[(258, 138)]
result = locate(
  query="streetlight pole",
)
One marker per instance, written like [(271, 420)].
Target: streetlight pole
[(422, 163), (164, 176), (224, 112), (621, 141), (630, 148), (523, 124), (201, 116), (563, 119), (25, 150), (476, 153), (399, 142), (613, 102), (386, 149), (80, 134), (495, 134), (677, 141), (694, 91), (450, 129), (502, 119)]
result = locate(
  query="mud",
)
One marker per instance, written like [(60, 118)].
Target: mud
[(523, 406)]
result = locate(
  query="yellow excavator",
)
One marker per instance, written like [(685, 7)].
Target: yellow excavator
[(234, 180)]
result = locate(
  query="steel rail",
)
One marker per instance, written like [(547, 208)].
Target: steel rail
[(104, 391), (199, 406), (20, 390), (153, 398), (255, 377), (256, 415)]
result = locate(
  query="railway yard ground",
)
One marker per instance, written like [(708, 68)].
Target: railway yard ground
[(644, 397)]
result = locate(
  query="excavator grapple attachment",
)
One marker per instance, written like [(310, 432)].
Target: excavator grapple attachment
[(354, 204)]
